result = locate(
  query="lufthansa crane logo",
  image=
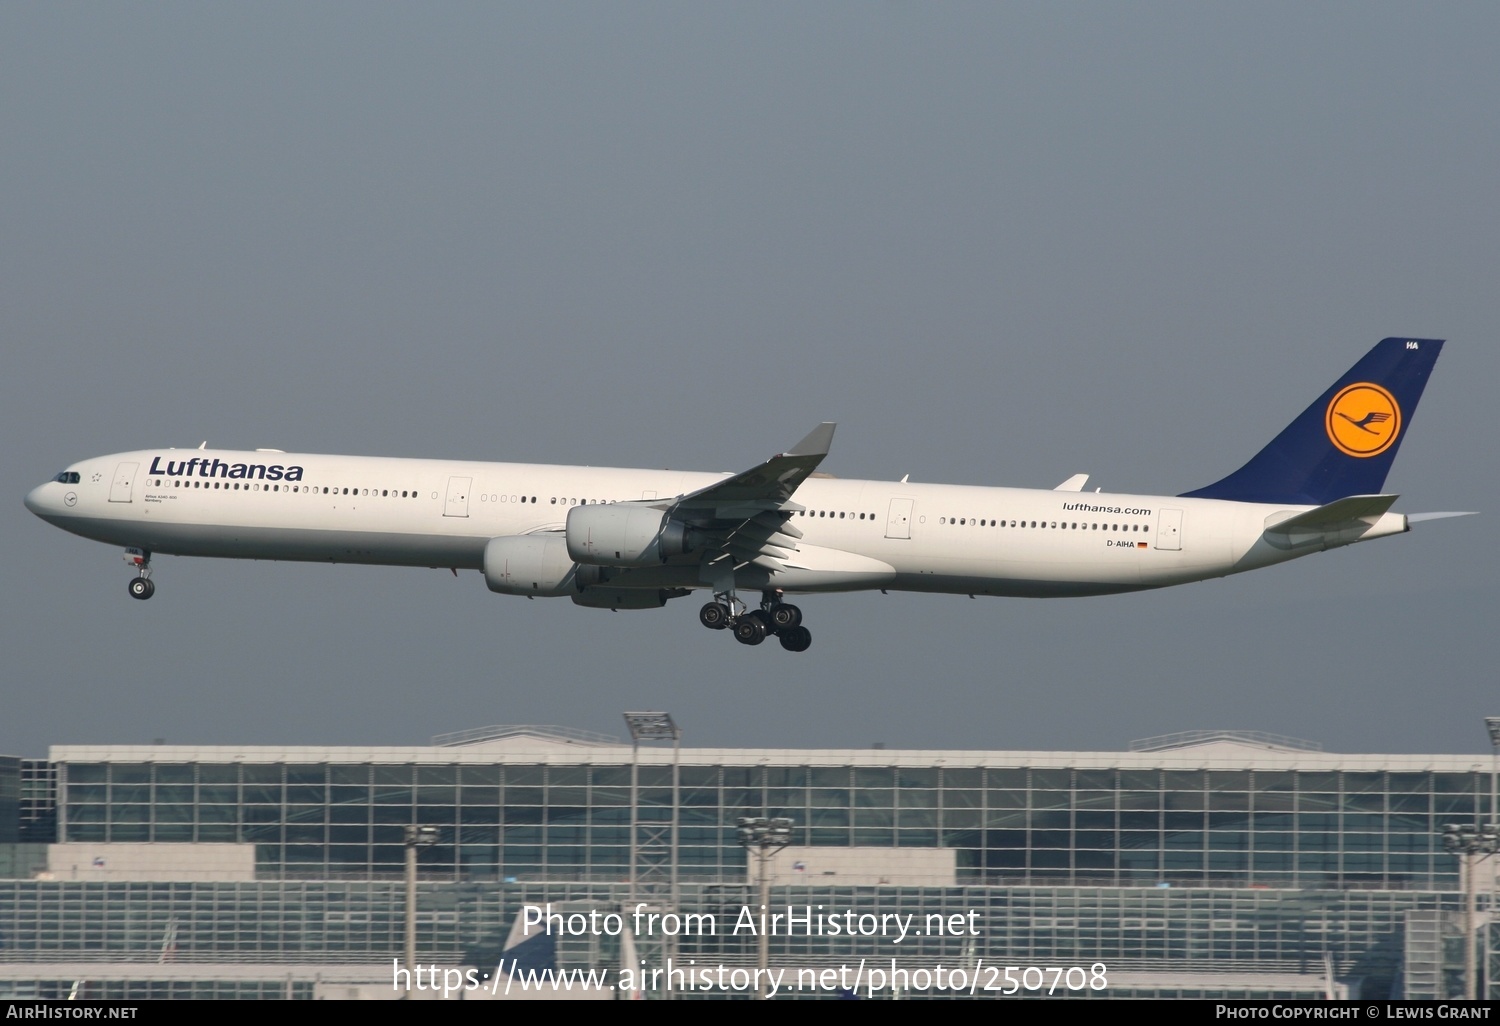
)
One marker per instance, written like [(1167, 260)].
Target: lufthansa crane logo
[(1363, 420)]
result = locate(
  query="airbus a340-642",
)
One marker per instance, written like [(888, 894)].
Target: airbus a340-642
[(634, 539)]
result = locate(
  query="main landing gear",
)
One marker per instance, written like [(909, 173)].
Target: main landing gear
[(141, 586), (752, 626)]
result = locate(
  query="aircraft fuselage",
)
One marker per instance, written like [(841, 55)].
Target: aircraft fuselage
[(414, 512)]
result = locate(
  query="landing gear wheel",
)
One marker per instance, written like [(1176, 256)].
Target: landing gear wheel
[(750, 630), (714, 616), (142, 588), (797, 639), (784, 617)]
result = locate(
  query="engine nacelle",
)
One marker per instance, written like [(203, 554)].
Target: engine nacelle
[(627, 598), (624, 535), (530, 564)]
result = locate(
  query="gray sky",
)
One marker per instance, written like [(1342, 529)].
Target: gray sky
[(999, 244)]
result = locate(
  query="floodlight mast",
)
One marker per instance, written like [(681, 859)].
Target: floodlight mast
[(763, 837), (416, 837), (654, 726), (1472, 845), (1492, 726)]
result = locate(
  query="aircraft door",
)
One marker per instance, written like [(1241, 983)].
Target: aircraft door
[(458, 497), (1169, 530), (124, 483), (898, 522)]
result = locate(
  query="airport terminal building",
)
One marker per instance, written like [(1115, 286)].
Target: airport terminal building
[(1204, 864)]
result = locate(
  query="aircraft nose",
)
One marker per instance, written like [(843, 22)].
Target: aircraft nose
[(36, 500)]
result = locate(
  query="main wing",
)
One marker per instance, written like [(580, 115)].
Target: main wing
[(744, 519)]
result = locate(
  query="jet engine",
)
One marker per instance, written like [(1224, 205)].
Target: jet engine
[(625, 535), (529, 564)]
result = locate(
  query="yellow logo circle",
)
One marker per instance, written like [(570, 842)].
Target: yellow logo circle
[(1363, 420)]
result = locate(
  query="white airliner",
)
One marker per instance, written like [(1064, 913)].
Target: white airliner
[(633, 539)]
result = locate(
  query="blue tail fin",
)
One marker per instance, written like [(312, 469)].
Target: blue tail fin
[(1344, 443)]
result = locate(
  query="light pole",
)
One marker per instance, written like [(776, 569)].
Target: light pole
[(1492, 724), (416, 837), (762, 838), (654, 726), (1471, 845)]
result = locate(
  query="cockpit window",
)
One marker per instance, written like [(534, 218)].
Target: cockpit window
[(67, 477)]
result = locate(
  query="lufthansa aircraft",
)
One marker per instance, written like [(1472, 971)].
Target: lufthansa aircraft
[(632, 539)]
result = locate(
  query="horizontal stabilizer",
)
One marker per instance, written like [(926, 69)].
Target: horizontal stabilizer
[(1337, 514), (1073, 484), (1341, 522), (1417, 518)]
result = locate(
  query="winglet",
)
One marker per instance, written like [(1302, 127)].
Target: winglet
[(1073, 484), (817, 443)]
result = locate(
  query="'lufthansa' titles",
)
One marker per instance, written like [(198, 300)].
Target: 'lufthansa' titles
[(197, 467)]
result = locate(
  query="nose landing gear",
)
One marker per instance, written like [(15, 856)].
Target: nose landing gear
[(141, 586)]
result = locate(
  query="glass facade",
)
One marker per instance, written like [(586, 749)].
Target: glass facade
[(1136, 932), (10, 800), (1263, 865), (1010, 825), (38, 807)]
